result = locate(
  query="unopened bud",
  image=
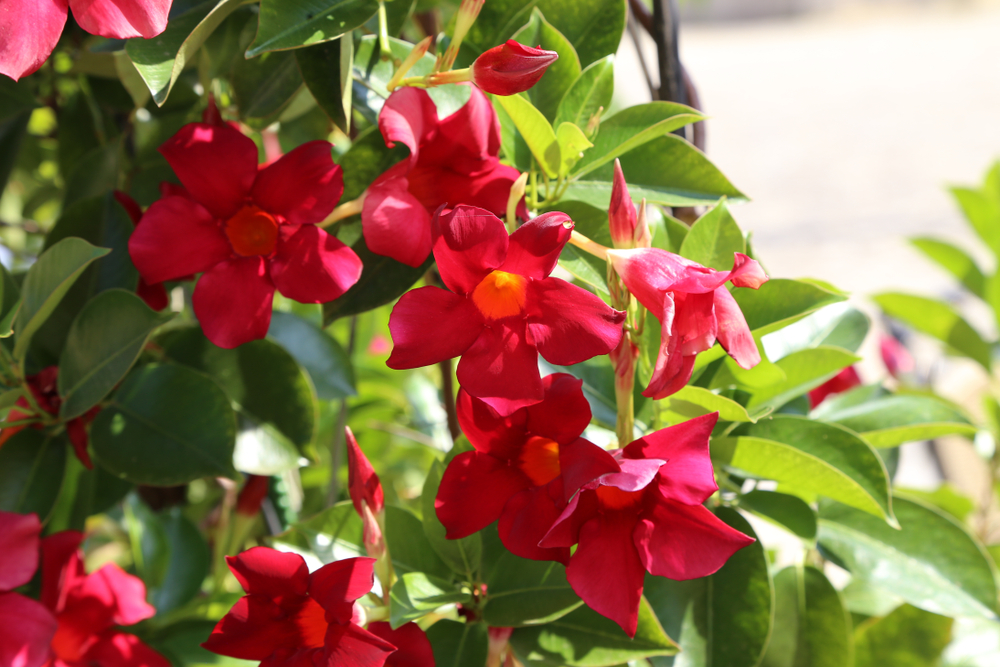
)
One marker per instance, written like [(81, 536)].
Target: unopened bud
[(252, 495), (621, 213), (511, 68), (362, 482), (643, 237)]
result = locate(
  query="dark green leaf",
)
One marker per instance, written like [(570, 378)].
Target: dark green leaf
[(12, 133), (318, 353), (458, 644), (416, 594), (333, 94), (908, 637), (463, 555), (265, 86), (955, 261), (150, 546), (188, 565), (95, 174), (16, 98), (714, 238), (939, 320), (590, 94), (289, 24), (887, 421), (560, 75), (408, 545), (779, 302), (31, 472), (789, 511), (527, 592)]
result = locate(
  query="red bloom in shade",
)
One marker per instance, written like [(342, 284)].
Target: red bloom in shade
[(250, 231), (511, 68), (30, 29), (293, 618), (503, 309), (646, 518), (154, 295), (413, 649), (452, 161), (694, 309), (28, 626), (366, 494), (524, 468), (89, 606), (46, 394), (842, 381)]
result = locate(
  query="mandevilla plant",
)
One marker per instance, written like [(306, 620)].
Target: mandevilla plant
[(244, 243)]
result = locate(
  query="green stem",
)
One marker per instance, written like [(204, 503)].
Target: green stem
[(383, 32)]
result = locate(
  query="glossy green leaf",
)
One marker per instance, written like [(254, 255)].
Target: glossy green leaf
[(187, 566), (590, 94), (811, 625), (584, 638), (946, 498), (375, 73), (780, 302), (333, 534), (838, 325), (891, 420), (526, 592), (31, 472), (46, 284), (804, 370), (955, 261), (103, 343), (16, 98), (722, 620), (12, 133), (572, 144), (982, 210), (693, 401), (408, 545), (464, 555), (458, 644), (939, 320), (333, 94), (323, 358), (585, 268), (535, 129), (166, 425), (560, 75), (932, 562), (592, 223), (161, 60), (416, 594), (714, 238), (261, 449), (908, 636), (148, 538), (790, 511), (94, 174), (264, 87), (290, 24)]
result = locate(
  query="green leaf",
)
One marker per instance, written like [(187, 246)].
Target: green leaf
[(939, 320), (333, 94), (94, 174), (458, 644), (323, 358), (584, 638), (32, 464), (333, 534), (590, 94), (713, 239), (693, 401), (187, 566), (722, 620), (584, 268), (887, 421), (47, 282), (592, 223), (16, 98), (982, 210), (789, 511), (12, 133), (955, 261), (908, 636), (946, 498), (290, 24), (780, 302), (812, 459), (535, 129), (560, 75), (150, 547), (375, 73), (161, 60), (261, 449), (811, 626), (572, 143), (632, 127), (526, 592), (932, 562), (264, 87), (167, 425), (416, 594), (463, 555), (838, 325), (804, 370), (103, 343), (408, 545)]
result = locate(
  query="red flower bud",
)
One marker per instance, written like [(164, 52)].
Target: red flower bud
[(366, 494), (511, 68), (621, 213), (252, 495)]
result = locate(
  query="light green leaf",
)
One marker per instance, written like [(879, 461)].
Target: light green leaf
[(408, 545), (787, 510), (261, 449), (838, 325), (780, 301), (982, 210), (714, 238), (955, 261), (333, 534), (804, 370), (560, 75), (416, 594), (908, 636), (590, 94), (572, 143), (535, 129), (887, 421), (939, 320), (290, 24), (463, 555), (693, 401)]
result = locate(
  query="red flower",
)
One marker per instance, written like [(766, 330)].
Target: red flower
[(28, 626), (647, 518), (524, 468), (694, 309), (413, 649), (292, 618), (503, 309), (154, 295), (452, 161), (842, 381), (252, 495), (511, 68), (88, 607), (250, 231), (31, 28), (44, 389), (366, 494)]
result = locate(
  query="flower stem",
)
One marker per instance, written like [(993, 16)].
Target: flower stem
[(583, 243), (448, 396), (383, 32), (345, 210)]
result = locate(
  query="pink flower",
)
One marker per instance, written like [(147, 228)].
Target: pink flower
[(250, 231), (30, 29), (694, 309), (503, 309), (28, 626), (841, 382), (452, 161), (511, 68), (647, 518)]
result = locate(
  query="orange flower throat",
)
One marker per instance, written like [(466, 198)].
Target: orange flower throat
[(252, 231), (539, 460), (500, 294)]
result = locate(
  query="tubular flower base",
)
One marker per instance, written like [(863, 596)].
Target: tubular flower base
[(452, 161), (28, 626), (291, 618), (250, 231), (503, 309), (646, 518), (511, 68), (524, 469), (694, 309)]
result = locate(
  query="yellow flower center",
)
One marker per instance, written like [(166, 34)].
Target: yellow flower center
[(500, 294)]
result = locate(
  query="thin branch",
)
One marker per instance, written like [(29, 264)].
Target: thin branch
[(448, 396)]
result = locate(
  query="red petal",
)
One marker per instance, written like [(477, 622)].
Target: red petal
[(312, 266), (569, 324), (409, 116), (122, 19), (685, 541), (413, 649), (473, 491), (78, 437), (264, 571), (62, 567), (467, 138), (233, 301), (336, 586), (581, 462), (526, 519), (351, 646), (564, 413), (154, 295), (472, 243), (362, 482), (429, 325), (842, 381), (746, 272), (565, 530), (123, 595), (253, 629), (672, 370), (28, 627), (734, 334), (394, 222), (694, 322), (605, 570), (177, 237), (19, 546), (30, 30), (488, 432), (303, 186), (535, 246), (216, 163), (130, 205), (687, 477), (501, 368), (119, 649)]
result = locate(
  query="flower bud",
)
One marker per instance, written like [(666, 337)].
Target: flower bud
[(366, 494), (511, 68), (621, 213), (252, 495)]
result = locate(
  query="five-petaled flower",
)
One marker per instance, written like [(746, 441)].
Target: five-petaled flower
[(452, 161), (250, 231), (647, 518), (523, 470), (694, 309), (28, 627), (290, 618), (503, 309)]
